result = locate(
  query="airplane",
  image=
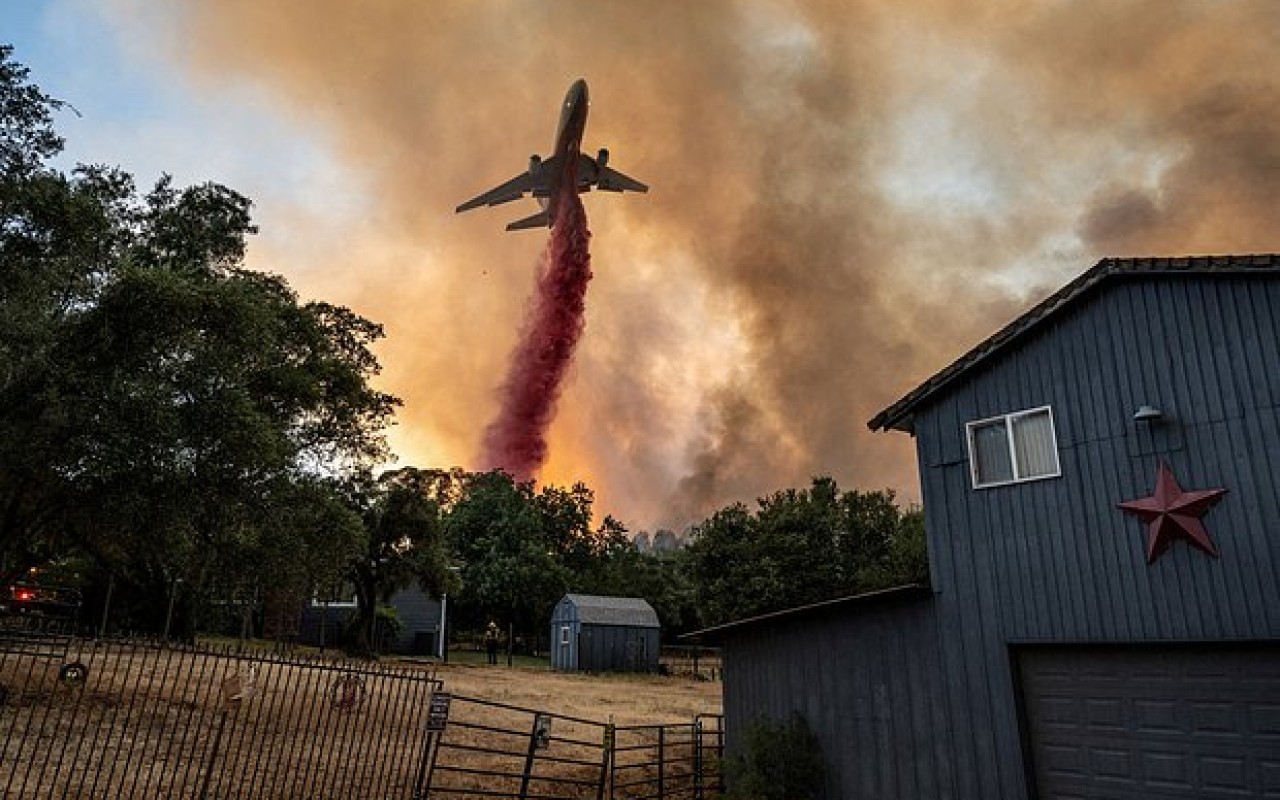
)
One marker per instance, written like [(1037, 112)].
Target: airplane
[(544, 177)]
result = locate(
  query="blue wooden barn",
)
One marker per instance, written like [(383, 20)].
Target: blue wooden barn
[(1101, 487), (590, 633)]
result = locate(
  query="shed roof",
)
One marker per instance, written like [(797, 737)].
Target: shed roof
[(899, 415), (634, 612), (912, 591)]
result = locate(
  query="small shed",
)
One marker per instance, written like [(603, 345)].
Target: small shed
[(590, 633)]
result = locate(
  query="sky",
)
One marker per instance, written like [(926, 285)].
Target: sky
[(846, 194)]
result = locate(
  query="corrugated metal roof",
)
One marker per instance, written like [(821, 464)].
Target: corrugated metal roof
[(899, 414), (633, 612), (893, 593)]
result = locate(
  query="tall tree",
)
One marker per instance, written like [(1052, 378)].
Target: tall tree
[(163, 408), (511, 543), (404, 544), (802, 546)]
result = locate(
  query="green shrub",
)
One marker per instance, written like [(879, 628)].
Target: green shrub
[(779, 761)]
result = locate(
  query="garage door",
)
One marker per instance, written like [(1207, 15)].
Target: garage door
[(1153, 722)]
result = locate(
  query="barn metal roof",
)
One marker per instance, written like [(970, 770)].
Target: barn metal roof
[(633, 612), (894, 593), (899, 415)]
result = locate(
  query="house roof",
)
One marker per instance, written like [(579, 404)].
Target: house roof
[(908, 591), (899, 415), (632, 612)]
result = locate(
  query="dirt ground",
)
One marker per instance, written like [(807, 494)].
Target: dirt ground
[(627, 699), (152, 722)]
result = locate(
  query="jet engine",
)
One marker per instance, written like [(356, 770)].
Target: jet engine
[(602, 158), (535, 165)]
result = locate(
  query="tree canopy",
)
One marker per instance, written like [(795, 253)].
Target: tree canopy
[(163, 408), (803, 546)]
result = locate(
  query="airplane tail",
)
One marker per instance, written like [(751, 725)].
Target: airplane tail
[(539, 220)]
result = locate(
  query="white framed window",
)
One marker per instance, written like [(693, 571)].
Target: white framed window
[(1013, 448), (339, 595), (564, 635)]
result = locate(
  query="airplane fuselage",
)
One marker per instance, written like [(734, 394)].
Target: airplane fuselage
[(573, 121)]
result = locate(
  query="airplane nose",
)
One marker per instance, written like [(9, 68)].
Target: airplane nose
[(579, 91)]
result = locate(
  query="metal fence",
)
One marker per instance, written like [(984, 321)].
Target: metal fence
[(692, 661), (130, 719), (668, 762), (81, 719), (481, 748)]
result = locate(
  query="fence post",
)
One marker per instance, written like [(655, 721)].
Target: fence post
[(662, 762), (422, 780), (213, 755), (606, 765), (534, 737), (697, 758)]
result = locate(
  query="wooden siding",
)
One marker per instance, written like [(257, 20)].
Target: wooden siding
[(419, 614), (565, 656), (617, 648), (918, 699), (1054, 560), (417, 611), (866, 681)]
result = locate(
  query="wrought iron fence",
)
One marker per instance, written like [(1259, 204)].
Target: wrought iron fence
[(81, 719), (130, 719)]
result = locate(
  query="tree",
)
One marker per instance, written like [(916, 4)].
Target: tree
[(621, 569), (163, 409), (506, 541), (402, 515), (800, 547)]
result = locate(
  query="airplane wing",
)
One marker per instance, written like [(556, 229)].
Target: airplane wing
[(513, 189), (605, 178), (611, 180), (519, 186)]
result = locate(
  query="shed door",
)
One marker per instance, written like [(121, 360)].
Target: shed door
[(1153, 722)]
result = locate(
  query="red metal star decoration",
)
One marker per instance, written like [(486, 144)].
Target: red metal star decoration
[(1172, 513)]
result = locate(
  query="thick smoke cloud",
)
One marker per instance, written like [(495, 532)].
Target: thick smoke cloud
[(846, 195)]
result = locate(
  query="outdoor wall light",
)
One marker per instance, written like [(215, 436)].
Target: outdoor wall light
[(1146, 413)]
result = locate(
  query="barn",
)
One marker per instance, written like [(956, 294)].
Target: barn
[(1101, 488), (590, 633)]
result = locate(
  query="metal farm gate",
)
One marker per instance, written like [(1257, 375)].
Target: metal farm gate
[(480, 748)]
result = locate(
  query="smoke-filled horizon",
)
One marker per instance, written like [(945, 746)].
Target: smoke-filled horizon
[(845, 196)]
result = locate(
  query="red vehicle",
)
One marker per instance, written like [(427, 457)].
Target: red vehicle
[(39, 621), (38, 608)]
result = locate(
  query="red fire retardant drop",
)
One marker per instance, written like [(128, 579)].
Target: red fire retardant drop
[(516, 440)]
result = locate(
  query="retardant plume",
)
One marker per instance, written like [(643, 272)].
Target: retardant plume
[(516, 441)]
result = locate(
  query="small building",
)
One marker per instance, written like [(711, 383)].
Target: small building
[(590, 633), (321, 622)]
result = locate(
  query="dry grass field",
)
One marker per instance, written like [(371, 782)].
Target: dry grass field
[(628, 699), (152, 722)]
